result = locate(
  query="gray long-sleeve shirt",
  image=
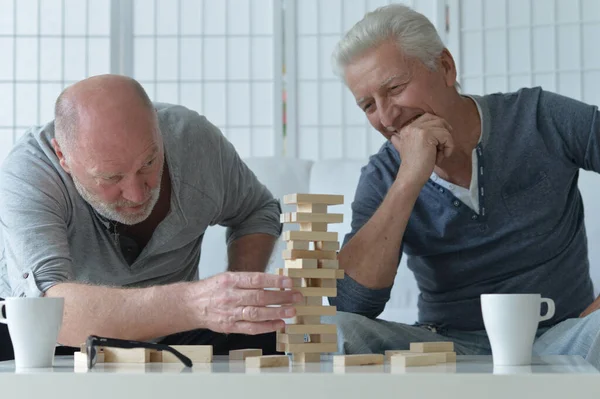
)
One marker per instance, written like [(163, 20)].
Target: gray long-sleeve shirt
[(51, 235), (530, 236)]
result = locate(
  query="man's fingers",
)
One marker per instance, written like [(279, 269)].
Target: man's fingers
[(249, 280), (267, 297), (258, 313), (254, 328)]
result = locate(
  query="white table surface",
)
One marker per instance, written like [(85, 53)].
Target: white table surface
[(471, 377)]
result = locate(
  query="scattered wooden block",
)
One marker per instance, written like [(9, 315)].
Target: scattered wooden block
[(413, 359), (328, 263), (305, 217), (327, 245), (310, 329), (357, 360), (427, 347), (445, 357), (310, 235), (315, 310), (268, 361), (317, 291), (156, 356), (307, 357), (326, 199), (301, 263), (311, 273), (119, 355), (81, 358), (297, 244), (390, 353), (311, 348), (242, 354), (196, 353)]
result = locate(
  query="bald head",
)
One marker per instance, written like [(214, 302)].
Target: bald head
[(82, 109)]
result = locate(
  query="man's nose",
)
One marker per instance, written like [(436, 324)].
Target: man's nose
[(135, 190), (388, 113)]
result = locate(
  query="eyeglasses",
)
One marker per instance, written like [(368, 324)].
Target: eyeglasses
[(93, 342)]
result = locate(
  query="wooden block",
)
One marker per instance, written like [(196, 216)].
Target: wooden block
[(315, 310), (119, 355), (310, 329), (307, 357), (196, 353), (313, 301), (327, 245), (322, 227), (323, 282), (310, 235), (317, 291), (242, 354), (413, 359), (296, 244), (312, 208), (444, 357), (300, 282), (427, 347), (303, 254), (390, 353), (328, 263), (323, 338), (156, 356), (326, 199), (280, 347), (306, 320), (310, 348), (312, 273), (81, 358), (268, 361), (307, 217), (301, 263), (357, 360), (291, 338)]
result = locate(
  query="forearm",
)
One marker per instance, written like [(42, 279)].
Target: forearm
[(250, 253), (371, 257), (126, 313)]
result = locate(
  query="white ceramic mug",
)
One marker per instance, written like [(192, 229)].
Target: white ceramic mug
[(511, 322), (33, 324)]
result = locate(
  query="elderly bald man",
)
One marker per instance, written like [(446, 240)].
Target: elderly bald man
[(479, 192), (107, 205)]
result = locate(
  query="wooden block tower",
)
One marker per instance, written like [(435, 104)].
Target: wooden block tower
[(311, 261)]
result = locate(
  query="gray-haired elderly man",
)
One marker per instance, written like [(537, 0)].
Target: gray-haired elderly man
[(107, 206), (479, 192)]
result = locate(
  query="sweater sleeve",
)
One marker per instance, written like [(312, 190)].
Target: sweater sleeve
[(375, 180)]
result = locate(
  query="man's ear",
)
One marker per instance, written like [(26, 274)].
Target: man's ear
[(448, 67), (61, 156)]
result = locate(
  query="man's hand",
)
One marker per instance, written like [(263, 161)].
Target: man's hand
[(240, 302), (593, 307), (422, 144)]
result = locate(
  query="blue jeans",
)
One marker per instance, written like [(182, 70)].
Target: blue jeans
[(359, 334)]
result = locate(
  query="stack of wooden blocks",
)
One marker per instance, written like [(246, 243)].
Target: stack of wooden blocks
[(311, 261)]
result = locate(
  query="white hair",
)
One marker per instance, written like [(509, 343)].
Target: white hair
[(414, 34)]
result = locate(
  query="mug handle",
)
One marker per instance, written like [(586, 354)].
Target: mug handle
[(2, 318), (550, 313)]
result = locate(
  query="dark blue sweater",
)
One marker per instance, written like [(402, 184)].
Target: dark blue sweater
[(529, 236)]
